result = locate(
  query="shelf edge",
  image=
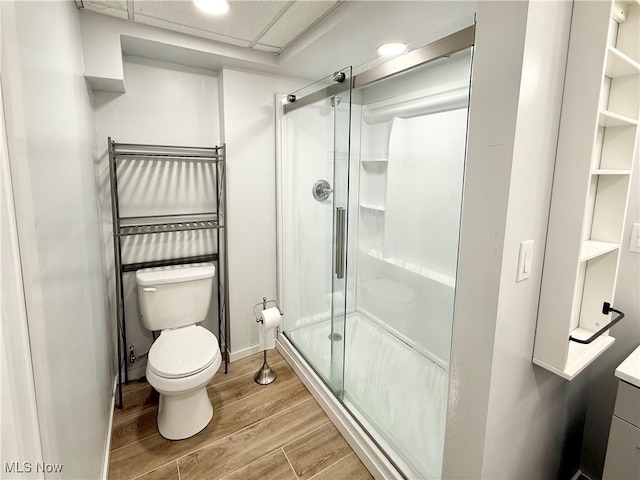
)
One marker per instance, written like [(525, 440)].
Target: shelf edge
[(373, 207), (610, 247), (570, 374), (605, 171), (622, 57), (622, 120)]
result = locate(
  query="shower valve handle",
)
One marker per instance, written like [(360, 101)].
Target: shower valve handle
[(321, 190)]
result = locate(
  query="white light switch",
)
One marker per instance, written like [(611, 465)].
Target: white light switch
[(525, 260), (635, 238)]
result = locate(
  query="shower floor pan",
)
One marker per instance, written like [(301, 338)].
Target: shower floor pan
[(397, 394)]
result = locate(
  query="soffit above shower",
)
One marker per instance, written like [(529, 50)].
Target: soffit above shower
[(268, 25)]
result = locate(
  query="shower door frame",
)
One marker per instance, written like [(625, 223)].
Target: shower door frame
[(367, 449)]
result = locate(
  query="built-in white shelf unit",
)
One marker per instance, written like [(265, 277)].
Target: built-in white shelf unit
[(596, 150), (375, 208)]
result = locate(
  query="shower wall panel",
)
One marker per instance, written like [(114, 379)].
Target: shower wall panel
[(413, 136), (411, 169), (424, 193)]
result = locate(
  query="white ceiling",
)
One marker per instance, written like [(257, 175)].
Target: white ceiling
[(268, 25)]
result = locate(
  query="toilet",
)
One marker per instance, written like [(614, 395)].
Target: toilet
[(186, 356)]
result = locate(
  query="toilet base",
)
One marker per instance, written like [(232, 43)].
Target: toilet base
[(182, 416)]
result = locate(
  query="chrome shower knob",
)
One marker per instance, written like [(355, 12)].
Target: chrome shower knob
[(321, 190)]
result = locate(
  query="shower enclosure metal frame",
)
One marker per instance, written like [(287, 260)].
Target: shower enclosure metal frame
[(441, 48), (369, 451)]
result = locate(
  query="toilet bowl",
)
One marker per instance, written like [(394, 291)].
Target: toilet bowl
[(180, 365), (185, 357)]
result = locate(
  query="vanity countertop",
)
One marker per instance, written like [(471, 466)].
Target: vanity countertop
[(629, 370)]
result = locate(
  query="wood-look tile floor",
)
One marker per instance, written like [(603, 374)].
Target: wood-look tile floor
[(273, 432)]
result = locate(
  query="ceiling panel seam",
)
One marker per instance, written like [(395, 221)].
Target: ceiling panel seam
[(309, 27), (271, 24), (210, 32)]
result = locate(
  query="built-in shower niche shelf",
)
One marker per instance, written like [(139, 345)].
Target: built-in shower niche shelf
[(411, 267), (375, 166), (372, 208), (374, 160)]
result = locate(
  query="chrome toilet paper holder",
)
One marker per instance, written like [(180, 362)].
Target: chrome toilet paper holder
[(264, 304), (266, 374)]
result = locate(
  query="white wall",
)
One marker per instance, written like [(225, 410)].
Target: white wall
[(602, 382), (165, 104), (496, 75), (508, 418), (105, 38), (20, 440), (51, 145), (248, 109), (533, 414)]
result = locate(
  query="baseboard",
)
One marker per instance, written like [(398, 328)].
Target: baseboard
[(368, 452), (576, 476), (107, 452), (245, 352), (138, 372)]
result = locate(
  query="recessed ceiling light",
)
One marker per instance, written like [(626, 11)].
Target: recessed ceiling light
[(213, 7), (391, 49)]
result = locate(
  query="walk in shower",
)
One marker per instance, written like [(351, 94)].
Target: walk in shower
[(371, 180)]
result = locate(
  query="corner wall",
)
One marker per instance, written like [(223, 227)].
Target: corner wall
[(51, 146), (507, 417), (496, 72), (248, 116), (165, 104), (20, 441), (535, 417)]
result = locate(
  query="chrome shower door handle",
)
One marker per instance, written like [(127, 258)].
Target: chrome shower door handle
[(340, 238)]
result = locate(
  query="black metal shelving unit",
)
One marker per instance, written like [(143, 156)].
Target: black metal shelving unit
[(168, 223)]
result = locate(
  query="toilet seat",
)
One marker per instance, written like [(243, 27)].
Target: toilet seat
[(183, 352)]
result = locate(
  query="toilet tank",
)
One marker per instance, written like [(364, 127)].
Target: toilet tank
[(177, 296)]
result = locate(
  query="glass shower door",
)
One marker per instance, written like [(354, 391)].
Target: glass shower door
[(315, 211), (411, 150)]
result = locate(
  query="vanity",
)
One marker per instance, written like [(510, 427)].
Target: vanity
[(623, 451)]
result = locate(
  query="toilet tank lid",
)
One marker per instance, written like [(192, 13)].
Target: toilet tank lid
[(175, 274)]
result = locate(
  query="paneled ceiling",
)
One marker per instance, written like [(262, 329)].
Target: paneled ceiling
[(269, 25)]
